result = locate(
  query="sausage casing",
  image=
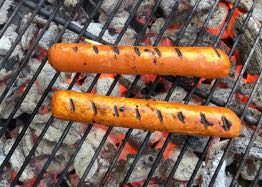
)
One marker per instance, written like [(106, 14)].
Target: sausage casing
[(204, 62), (145, 114)]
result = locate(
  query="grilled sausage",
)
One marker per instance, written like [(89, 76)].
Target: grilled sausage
[(145, 114), (204, 62)]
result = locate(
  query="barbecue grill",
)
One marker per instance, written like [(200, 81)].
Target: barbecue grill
[(39, 9)]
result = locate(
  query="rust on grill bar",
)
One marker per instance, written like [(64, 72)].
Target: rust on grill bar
[(38, 149)]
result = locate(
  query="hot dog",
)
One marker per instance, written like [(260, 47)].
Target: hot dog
[(145, 114), (204, 62)]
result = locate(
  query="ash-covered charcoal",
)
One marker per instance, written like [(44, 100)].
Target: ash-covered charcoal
[(8, 39), (177, 96), (56, 129), (252, 116), (250, 169), (214, 155), (240, 144), (86, 153), (246, 89), (218, 18), (126, 80), (143, 166), (222, 94), (4, 11), (49, 36), (43, 150), (29, 34), (17, 160), (157, 25), (138, 136), (167, 6), (203, 5), (104, 83), (129, 37), (185, 168), (196, 143), (118, 21), (70, 3), (87, 82), (246, 43), (69, 36)]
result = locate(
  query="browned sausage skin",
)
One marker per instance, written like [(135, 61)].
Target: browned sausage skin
[(146, 114), (204, 62)]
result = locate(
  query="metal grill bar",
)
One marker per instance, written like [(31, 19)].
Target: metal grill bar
[(230, 98)]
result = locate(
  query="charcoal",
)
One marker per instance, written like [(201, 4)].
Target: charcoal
[(118, 21), (56, 129), (17, 160), (4, 11), (70, 3), (49, 37), (7, 39), (252, 116), (129, 37), (143, 166), (214, 155), (203, 5), (196, 143), (103, 85), (218, 17), (240, 144), (95, 28), (185, 168), (157, 25), (28, 36), (69, 36), (86, 152), (177, 96), (246, 89), (250, 169), (222, 94), (139, 135), (167, 6), (246, 43)]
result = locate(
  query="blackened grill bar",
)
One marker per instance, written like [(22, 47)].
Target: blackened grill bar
[(176, 81)]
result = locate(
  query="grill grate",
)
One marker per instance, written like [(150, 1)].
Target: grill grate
[(38, 9)]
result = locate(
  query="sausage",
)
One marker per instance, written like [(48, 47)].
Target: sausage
[(145, 114), (203, 62)]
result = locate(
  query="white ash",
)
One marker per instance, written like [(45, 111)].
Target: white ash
[(129, 37), (86, 152), (56, 129), (70, 3), (177, 96), (246, 43), (240, 144), (82, 160), (252, 116), (8, 39), (167, 6), (143, 166), (213, 157), (69, 36), (196, 143), (49, 36), (119, 20), (43, 151), (203, 5), (17, 160), (185, 168), (28, 36), (139, 135), (250, 169), (108, 6), (4, 74), (4, 11), (218, 17), (257, 13), (222, 94), (103, 85), (157, 25)]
